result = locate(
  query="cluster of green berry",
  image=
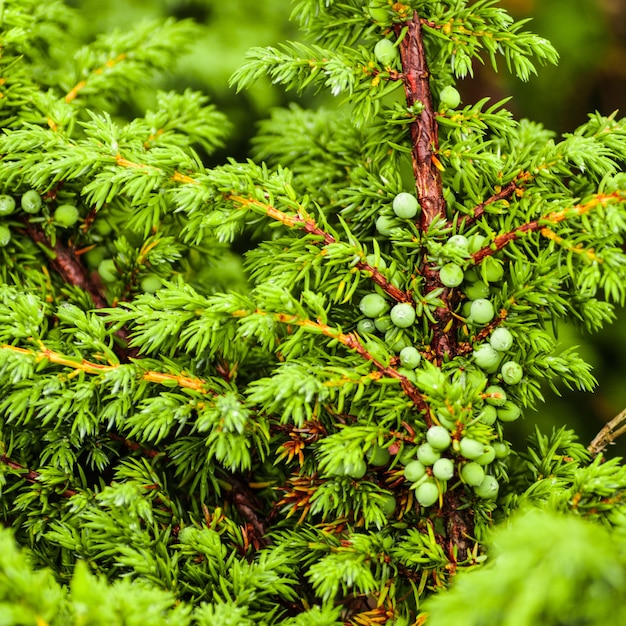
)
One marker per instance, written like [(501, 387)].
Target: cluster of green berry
[(430, 470), (447, 452), (65, 215)]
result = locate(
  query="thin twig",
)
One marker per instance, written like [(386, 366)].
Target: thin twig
[(609, 433)]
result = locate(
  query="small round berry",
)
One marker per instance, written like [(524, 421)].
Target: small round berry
[(7, 204), (509, 412), (512, 372), (395, 340), (5, 235), (407, 373), (458, 242), (378, 456), (385, 52), (31, 202), (356, 469), (427, 493), (486, 357), (495, 395), (472, 474), (386, 225), (470, 448), (150, 284), (476, 290), (372, 305), (492, 269), (487, 456), (443, 469), (451, 275), (476, 242), (488, 488), (378, 11), (449, 98), (95, 256), (107, 270), (388, 507), (372, 262), (383, 324), (502, 450), (66, 215), (403, 315), (488, 415), (103, 227), (366, 327), (438, 437), (427, 455), (482, 311), (407, 455), (410, 357), (501, 339), (405, 205), (413, 471)]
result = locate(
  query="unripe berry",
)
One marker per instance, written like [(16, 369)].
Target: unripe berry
[(472, 474), (5, 235), (451, 275), (95, 256), (482, 311), (385, 52), (366, 327), (378, 456), (495, 395), (488, 415), (413, 471), (66, 215), (512, 373), (501, 339), (395, 341), (449, 98), (427, 455), (373, 305), (7, 204), (427, 493), (31, 202), (378, 11), (150, 284), (372, 262), (410, 357), (502, 450), (492, 269), (488, 488), (476, 242), (357, 469), (443, 469), (383, 324), (470, 448), (438, 437), (407, 373), (486, 357), (402, 315), (460, 242), (385, 225), (405, 205), (477, 290), (487, 456), (388, 507), (509, 412), (107, 270)]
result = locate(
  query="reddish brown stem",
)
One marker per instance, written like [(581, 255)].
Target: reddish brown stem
[(31, 476), (504, 193), (424, 132), (66, 264)]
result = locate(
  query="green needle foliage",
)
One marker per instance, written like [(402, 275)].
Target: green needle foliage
[(317, 434)]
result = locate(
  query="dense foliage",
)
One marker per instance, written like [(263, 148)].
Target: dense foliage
[(317, 434)]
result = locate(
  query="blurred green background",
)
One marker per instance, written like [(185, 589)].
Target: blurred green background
[(590, 36)]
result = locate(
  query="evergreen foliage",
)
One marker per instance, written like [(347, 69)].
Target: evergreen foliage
[(318, 435)]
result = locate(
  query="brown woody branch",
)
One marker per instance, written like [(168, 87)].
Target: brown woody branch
[(424, 131), (31, 476)]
